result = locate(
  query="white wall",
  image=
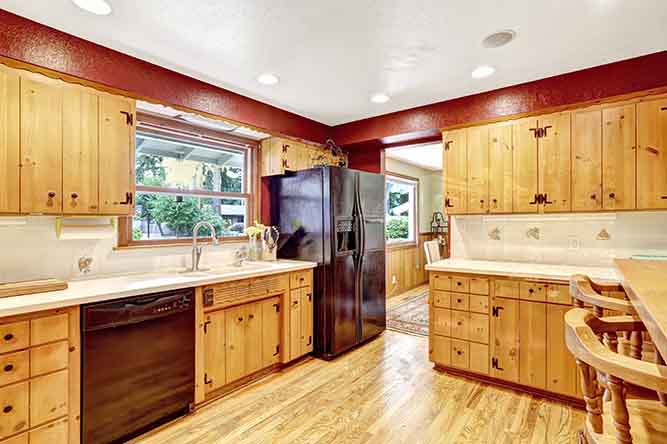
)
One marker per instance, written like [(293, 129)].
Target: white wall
[(430, 189), (32, 251), (630, 233)]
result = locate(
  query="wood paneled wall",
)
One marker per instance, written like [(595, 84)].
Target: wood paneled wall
[(406, 263)]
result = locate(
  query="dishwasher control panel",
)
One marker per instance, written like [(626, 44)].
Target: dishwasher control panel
[(174, 305)]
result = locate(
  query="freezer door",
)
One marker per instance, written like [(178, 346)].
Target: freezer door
[(345, 305), (372, 288)]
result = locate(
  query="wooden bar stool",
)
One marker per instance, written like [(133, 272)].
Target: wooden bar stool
[(634, 414)]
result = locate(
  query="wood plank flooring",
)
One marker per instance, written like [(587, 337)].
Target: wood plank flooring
[(385, 392), (393, 301)]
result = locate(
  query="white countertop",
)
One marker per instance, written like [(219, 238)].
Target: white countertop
[(523, 269), (120, 286)]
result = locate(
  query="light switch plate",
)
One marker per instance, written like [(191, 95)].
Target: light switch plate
[(573, 242)]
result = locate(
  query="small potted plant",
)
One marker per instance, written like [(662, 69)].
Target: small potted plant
[(254, 233)]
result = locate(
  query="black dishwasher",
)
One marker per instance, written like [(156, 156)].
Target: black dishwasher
[(138, 364)]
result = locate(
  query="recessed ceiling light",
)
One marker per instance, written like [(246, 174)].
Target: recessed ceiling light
[(498, 39), (380, 98), (483, 71), (268, 79), (97, 7)]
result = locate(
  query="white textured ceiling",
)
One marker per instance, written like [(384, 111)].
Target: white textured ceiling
[(332, 55), (427, 156)]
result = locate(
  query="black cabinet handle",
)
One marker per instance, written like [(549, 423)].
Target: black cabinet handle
[(9, 337), (459, 352), (458, 300), (7, 409), (593, 196), (51, 194), (9, 367), (74, 195), (251, 316), (612, 195), (531, 291), (240, 319)]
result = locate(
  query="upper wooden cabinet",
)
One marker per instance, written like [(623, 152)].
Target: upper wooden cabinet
[(116, 154), (587, 160), (619, 156), (524, 179), (500, 168), (41, 144), (478, 169), (279, 155), (652, 154), (554, 162), (9, 141), (456, 171)]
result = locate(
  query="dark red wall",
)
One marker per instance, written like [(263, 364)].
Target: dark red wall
[(624, 77), (30, 42)]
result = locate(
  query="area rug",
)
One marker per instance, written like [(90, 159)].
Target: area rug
[(410, 316)]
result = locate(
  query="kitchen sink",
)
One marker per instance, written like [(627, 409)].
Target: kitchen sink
[(222, 269)]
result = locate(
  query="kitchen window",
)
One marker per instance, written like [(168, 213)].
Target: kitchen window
[(184, 175), (401, 209)]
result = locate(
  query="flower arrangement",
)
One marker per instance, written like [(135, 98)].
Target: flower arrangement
[(255, 231)]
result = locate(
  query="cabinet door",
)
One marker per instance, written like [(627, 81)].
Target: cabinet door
[(48, 397), (306, 320), (456, 172), (270, 332), (295, 324), (253, 337), (652, 154), (533, 344), (290, 152), (524, 173), (214, 351), (9, 141), (554, 165), (619, 157), (41, 145), (235, 340), (505, 334), (561, 366), (80, 151), (500, 168), (478, 169), (116, 154), (52, 433), (302, 156), (587, 160), (440, 350)]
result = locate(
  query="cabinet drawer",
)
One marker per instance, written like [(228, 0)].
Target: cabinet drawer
[(460, 301), (14, 367), (49, 329), (558, 294), (532, 291), (479, 286), (269, 285), (48, 397), (303, 278), (460, 354), (479, 358), (479, 328), (440, 350), (506, 289), (49, 358), (441, 299), (479, 304), (441, 282), (14, 336), (54, 433), (460, 284), (442, 321), (460, 325), (14, 409)]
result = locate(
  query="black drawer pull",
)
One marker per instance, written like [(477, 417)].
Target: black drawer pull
[(459, 301), (9, 367), (459, 352), (240, 319), (531, 291), (251, 316), (7, 409), (9, 337)]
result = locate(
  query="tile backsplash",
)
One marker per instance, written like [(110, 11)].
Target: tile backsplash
[(31, 250), (573, 239)]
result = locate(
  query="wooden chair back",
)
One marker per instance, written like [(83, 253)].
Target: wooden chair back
[(432, 251)]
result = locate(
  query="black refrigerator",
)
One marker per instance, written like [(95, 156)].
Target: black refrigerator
[(335, 217)]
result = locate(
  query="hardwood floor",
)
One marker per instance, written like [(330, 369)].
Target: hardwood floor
[(384, 392), (398, 299)]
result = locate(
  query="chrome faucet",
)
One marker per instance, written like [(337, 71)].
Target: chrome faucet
[(196, 251)]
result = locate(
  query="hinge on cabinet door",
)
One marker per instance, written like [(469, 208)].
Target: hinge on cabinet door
[(129, 117), (208, 297), (310, 340), (310, 297), (664, 108), (494, 364), (277, 350), (448, 203), (206, 380), (277, 307), (284, 163), (447, 143), (495, 311), (535, 131), (544, 130), (285, 148), (206, 326)]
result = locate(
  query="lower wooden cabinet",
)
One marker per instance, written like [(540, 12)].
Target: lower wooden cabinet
[(562, 372), (533, 344), (301, 322), (215, 360), (505, 333)]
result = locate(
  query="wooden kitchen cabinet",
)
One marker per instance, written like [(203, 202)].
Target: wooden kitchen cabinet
[(9, 141), (652, 154), (235, 340), (253, 338), (524, 172), (561, 367), (619, 156), (554, 162), (500, 168), (505, 337), (280, 155), (478, 169), (587, 159), (270, 331), (300, 314), (41, 144), (307, 312), (116, 155), (215, 360), (533, 344), (456, 171), (80, 151), (295, 324)]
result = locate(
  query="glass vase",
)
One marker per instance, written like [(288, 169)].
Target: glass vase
[(254, 249)]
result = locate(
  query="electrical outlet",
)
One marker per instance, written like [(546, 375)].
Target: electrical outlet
[(573, 243), (393, 279)]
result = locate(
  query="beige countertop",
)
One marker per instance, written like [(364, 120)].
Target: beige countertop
[(523, 269), (113, 287)]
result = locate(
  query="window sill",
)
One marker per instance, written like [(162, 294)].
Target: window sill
[(400, 245), (147, 245)]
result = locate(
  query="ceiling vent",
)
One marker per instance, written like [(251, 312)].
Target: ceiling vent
[(498, 39)]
